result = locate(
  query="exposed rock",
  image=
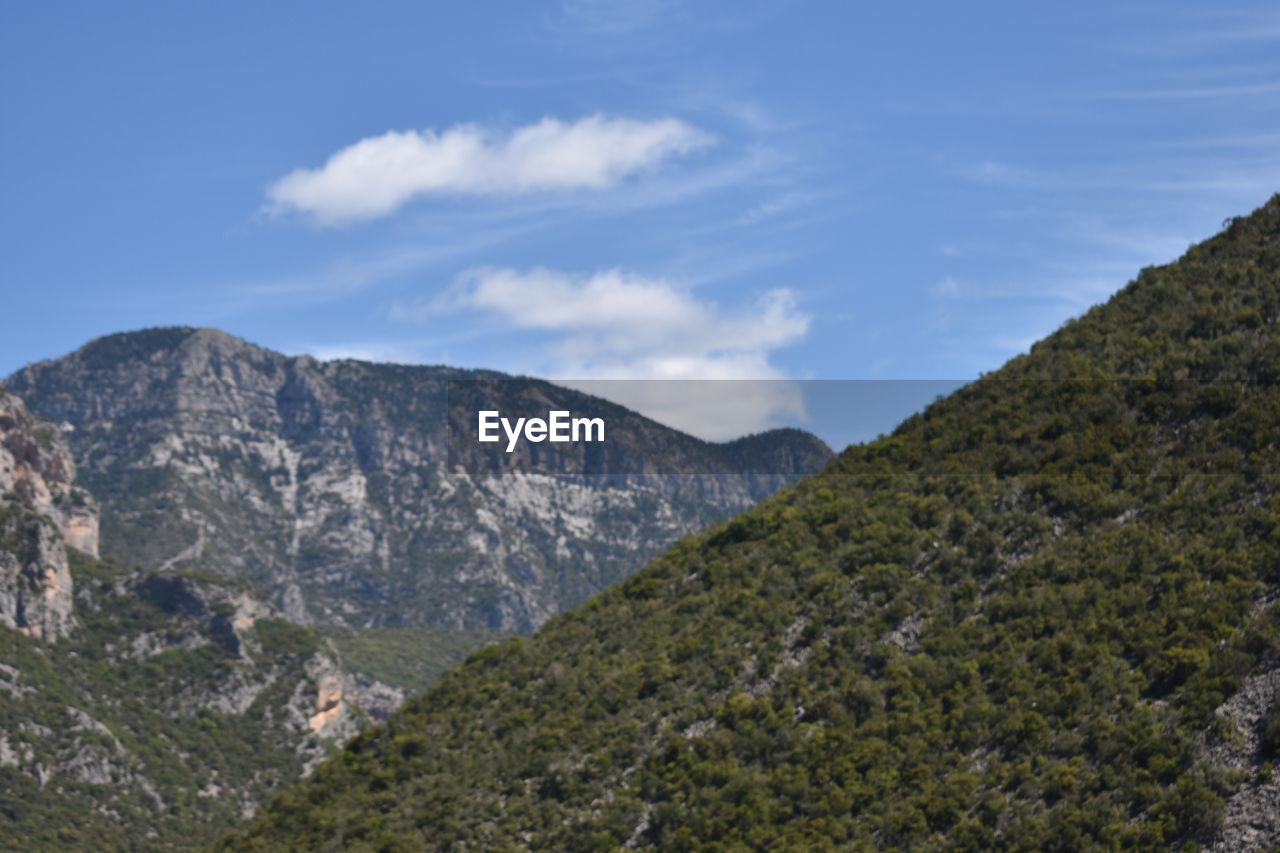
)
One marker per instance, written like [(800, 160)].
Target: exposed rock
[(375, 700), (329, 707), (41, 508), (1245, 711), (700, 728), (328, 700), (165, 669), (11, 681), (795, 653), (8, 756), (35, 585), (1253, 811), (906, 634), (334, 487), (36, 465), (90, 763)]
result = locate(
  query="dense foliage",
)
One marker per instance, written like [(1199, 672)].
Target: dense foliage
[(155, 725), (1008, 625), (409, 658)]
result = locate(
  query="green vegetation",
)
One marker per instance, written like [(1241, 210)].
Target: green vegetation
[(408, 658), (285, 638), (1006, 626), (110, 747), (154, 726)]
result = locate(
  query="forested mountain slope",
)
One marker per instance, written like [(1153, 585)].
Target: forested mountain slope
[(175, 706), (1041, 615)]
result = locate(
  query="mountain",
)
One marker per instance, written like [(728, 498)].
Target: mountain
[(1041, 615), (41, 508), (330, 485), (174, 707), (142, 709)]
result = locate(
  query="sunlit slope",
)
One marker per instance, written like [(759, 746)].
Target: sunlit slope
[(1039, 616)]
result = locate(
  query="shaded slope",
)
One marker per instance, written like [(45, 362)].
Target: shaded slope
[(1026, 620)]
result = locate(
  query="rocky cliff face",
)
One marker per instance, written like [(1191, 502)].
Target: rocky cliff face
[(329, 484), (41, 511), (172, 704), (327, 700)]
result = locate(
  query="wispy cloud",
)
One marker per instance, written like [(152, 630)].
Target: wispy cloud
[(1074, 232), (344, 275), (615, 16), (352, 273), (947, 288), (1234, 176), (1220, 92), (378, 175), (782, 203), (1213, 28)]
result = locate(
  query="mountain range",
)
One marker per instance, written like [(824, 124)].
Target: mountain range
[(1041, 615), (330, 486), (286, 549)]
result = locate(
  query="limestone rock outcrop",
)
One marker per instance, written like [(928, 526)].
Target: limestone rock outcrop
[(42, 511), (333, 486)]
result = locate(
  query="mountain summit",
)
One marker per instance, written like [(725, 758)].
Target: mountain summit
[(329, 484), (1042, 615)]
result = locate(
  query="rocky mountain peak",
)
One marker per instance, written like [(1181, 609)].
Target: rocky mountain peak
[(330, 484)]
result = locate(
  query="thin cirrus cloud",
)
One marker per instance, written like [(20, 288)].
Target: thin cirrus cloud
[(378, 175), (615, 17), (613, 327)]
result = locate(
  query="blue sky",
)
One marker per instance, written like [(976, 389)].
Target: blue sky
[(590, 189)]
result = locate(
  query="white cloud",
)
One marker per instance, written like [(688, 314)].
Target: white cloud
[(616, 326), (629, 326), (380, 174)]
